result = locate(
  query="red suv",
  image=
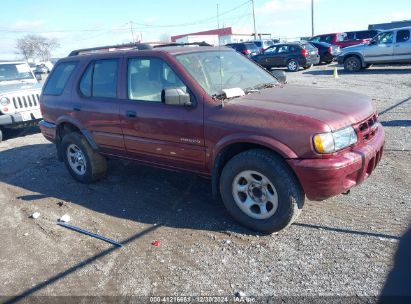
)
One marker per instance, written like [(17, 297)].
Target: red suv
[(211, 111), (340, 39)]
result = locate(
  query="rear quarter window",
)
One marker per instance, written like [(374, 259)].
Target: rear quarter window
[(59, 77)]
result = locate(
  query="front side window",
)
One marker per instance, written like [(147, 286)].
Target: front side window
[(385, 38), (58, 79), (147, 77), (316, 39), (270, 50), (100, 79), (403, 36)]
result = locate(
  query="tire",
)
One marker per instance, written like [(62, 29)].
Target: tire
[(1, 135), (352, 64), (268, 208), (84, 164), (307, 67), (293, 65)]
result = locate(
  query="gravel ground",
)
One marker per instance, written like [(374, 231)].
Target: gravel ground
[(343, 246)]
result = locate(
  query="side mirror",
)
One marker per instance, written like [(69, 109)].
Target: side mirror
[(279, 75), (175, 97), (38, 76)]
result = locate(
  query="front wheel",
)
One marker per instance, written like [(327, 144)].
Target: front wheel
[(260, 191), (352, 64), (84, 164), (292, 65)]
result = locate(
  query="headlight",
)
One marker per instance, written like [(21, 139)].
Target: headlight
[(331, 142), (4, 101)]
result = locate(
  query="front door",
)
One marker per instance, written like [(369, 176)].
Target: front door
[(380, 49), (167, 135)]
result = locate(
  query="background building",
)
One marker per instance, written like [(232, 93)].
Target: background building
[(215, 37), (390, 25)]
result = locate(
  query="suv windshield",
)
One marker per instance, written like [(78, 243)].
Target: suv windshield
[(15, 71), (216, 71)]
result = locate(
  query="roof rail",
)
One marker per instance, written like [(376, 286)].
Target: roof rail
[(183, 44), (112, 48)]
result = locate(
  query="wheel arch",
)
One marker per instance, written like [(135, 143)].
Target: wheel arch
[(355, 54), (68, 125), (226, 149)]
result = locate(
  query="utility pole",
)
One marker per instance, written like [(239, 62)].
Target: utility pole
[(255, 29), (312, 18), (218, 24), (132, 32)]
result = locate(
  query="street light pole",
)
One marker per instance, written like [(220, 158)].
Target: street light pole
[(312, 17), (255, 29)]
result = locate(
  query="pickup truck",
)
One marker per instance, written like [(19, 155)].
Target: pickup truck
[(264, 145)]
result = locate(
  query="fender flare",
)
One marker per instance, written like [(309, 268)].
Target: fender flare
[(267, 142)]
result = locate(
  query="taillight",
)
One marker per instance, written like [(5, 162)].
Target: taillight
[(304, 52), (246, 52), (330, 50)]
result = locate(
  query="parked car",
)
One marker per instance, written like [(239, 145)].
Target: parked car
[(19, 96), (290, 55), (327, 52), (44, 67), (263, 44), (248, 49), (213, 112), (339, 39), (367, 34), (390, 46)]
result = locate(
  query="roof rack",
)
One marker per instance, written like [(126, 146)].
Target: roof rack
[(112, 48)]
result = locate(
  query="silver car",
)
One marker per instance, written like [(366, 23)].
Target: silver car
[(390, 46)]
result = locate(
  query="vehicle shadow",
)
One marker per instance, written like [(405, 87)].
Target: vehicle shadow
[(20, 132), (397, 123), (149, 195)]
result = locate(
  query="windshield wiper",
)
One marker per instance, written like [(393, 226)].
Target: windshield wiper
[(260, 87)]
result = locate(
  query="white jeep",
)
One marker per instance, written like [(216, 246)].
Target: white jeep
[(19, 96)]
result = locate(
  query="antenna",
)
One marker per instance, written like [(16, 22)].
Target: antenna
[(132, 32), (219, 54)]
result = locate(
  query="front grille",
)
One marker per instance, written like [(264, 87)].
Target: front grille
[(367, 128), (26, 101)]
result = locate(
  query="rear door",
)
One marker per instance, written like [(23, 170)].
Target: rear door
[(167, 135), (402, 47), (98, 106), (282, 56)]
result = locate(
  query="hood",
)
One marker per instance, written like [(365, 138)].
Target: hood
[(353, 48), (336, 108), (12, 87)]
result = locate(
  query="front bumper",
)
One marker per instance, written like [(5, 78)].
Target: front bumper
[(324, 178), (19, 119), (48, 130)]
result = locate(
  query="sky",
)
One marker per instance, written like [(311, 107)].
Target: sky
[(87, 23)]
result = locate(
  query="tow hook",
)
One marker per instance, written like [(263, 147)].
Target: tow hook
[(346, 192)]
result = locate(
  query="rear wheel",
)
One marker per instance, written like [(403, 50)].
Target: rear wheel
[(260, 191), (1, 135), (352, 64), (84, 164), (292, 65)]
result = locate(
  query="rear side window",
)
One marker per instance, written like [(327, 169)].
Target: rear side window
[(59, 78), (100, 79), (403, 36)]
